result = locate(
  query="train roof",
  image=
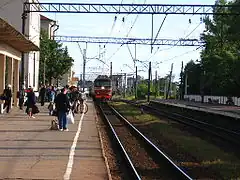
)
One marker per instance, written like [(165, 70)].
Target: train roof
[(102, 77)]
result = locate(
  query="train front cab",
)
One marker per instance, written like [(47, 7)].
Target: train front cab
[(103, 94)]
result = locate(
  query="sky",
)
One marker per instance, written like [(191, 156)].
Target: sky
[(174, 27)]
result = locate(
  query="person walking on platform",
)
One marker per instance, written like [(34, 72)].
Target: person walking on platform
[(62, 107), (7, 93), (51, 100), (21, 95), (42, 94), (31, 103)]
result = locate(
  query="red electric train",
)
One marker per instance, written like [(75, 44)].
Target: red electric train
[(102, 88)]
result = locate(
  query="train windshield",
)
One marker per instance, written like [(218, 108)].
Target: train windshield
[(100, 83)]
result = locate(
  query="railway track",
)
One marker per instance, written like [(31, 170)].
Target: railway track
[(225, 134), (144, 159)]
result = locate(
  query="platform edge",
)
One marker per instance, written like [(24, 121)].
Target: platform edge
[(101, 142)]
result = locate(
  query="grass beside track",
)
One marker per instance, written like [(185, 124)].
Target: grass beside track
[(204, 155)]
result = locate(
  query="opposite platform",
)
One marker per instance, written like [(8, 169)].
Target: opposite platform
[(225, 110), (29, 150)]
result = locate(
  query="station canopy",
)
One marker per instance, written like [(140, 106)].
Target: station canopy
[(10, 36)]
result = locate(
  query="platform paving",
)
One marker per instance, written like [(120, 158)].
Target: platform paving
[(29, 150)]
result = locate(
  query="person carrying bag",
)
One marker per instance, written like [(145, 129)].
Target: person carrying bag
[(70, 117), (62, 107)]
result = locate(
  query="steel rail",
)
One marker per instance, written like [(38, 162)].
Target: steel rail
[(223, 133), (127, 158), (230, 132), (197, 124), (163, 156)]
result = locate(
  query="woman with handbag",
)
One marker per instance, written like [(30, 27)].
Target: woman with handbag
[(31, 104)]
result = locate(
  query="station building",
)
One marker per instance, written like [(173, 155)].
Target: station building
[(11, 11), (12, 44)]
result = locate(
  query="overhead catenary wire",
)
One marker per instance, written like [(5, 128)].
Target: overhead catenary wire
[(130, 32), (113, 25), (126, 35), (158, 49), (80, 48), (159, 29), (180, 55), (130, 52)]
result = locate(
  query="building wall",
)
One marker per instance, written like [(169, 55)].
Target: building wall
[(130, 82), (33, 58), (11, 11), (46, 25), (66, 78)]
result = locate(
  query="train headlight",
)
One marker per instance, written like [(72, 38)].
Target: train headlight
[(102, 87)]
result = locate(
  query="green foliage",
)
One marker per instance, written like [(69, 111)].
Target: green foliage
[(56, 58), (142, 90), (218, 73), (156, 88)]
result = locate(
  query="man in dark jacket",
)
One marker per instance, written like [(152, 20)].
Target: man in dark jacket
[(42, 94), (62, 106), (21, 95), (8, 97)]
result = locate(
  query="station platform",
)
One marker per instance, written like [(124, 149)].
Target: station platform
[(225, 110), (30, 150)]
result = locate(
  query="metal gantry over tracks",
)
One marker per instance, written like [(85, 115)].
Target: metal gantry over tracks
[(112, 40), (121, 9), (127, 8)]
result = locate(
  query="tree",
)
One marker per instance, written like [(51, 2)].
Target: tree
[(193, 73), (220, 56), (56, 59)]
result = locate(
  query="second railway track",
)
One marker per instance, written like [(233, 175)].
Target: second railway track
[(223, 133), (144, 159)]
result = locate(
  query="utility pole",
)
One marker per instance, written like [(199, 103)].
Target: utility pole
[(159, 85), (169, 83), (136, 81), (136, 84), (186, 83), (149, 83), (152, 35), (156, 85), (125, 83), (84, 69), (111, 70), (165, 87), (24, 17), (181, 83), (44, 71)]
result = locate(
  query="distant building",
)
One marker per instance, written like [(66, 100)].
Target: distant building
[(130, 82), (117, 82), (67, 77), (49, 25), (11, 11)]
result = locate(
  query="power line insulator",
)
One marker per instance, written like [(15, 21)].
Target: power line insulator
[(115, 18), (123, 19), (189, 21)]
